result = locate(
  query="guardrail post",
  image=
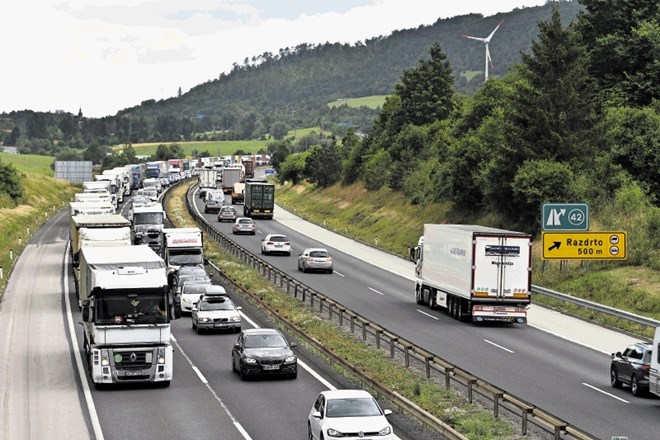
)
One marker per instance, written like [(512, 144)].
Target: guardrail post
[(341, 316), (364, 330), (321, 301), (378, 333), (406, 355), (352, 323), (392, 341), (427, 366), (496, 406), (470, 383), (448, 372)]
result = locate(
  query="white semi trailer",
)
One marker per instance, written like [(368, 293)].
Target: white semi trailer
[(475, 272), (127, 309)]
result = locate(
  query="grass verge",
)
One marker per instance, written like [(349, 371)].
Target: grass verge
[(471, 420)]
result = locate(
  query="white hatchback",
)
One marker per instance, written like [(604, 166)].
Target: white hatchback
[(348, 414)]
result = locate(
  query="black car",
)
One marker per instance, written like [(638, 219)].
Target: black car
[(632, 368), (263, 351)]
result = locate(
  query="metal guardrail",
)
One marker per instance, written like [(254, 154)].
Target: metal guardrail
[(597, 307), (413, 357)]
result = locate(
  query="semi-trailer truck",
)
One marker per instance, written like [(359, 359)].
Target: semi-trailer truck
[(231, 175), (474, 272), (148, 221), (126, 314), (182, 247), (258, 199)]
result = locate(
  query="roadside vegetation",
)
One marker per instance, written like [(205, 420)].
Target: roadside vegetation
[(199, 149), (41, 196), (470, 420), (386, 219)]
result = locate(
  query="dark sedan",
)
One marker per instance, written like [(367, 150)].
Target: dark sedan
[(263, 351), (632, 368)]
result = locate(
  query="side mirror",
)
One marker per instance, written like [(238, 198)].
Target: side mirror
[(317, 415), (206, 260), (387, 412), (293, 344), (85, 310)]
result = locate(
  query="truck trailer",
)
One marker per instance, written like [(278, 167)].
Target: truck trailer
[(259, 199), (231, 175), (126, 314), (474, 272)]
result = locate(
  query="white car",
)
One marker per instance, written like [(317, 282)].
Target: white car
[(275, 243), (348, 414), (216, 312), (190, 293)]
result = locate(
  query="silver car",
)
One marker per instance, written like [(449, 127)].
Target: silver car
[(216, 312), (317, 259), (244, 225)]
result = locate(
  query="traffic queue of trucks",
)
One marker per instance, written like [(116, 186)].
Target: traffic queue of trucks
[(120, 270)]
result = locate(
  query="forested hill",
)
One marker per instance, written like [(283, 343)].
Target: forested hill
[(296, 81)]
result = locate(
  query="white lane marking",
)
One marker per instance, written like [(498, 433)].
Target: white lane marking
[(498, 346), (374, 290), (201, 376), (428, 314), (604, 392), (93, 415), (339, 273), (213, 393), (565, 338)]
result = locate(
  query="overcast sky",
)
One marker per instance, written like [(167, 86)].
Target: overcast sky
[(107, 55)]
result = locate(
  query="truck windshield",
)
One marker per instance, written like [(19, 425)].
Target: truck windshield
[(148, 218), (185, 257), (117, 307)]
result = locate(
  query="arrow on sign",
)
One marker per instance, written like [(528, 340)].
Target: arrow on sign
[(555, 245)]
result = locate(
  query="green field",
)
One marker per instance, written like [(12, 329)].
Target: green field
[(30, 163), (215, 148), (374, 101)]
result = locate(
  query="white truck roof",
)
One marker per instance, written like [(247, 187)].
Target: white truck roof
[(106, 234), (182, 237), (139, 255), (91, 208), (100, 219)]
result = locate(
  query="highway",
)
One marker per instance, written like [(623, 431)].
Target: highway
[(46, 392), (562, 365)]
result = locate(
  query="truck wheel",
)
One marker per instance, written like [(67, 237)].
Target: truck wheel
[(418, 296), (459, 310)]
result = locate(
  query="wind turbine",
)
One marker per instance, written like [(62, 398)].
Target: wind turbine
[(486, 41)]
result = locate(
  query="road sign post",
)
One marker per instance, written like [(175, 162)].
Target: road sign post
[(565, 217), (603, 245)]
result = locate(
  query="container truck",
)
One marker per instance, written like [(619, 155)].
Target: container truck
[(156, 169), (94, 197), (207, 180), (250, 163), (231, 175), (182, 247), (95, 186), (116, 185), (259, 199), (126, 313), (475, 272), (238, 193)]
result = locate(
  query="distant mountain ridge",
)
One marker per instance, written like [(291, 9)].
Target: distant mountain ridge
[(308, 75)]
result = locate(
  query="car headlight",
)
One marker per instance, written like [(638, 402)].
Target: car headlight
[(385, 431), (249, 361), (334, 433), (236, 318), (290, 360), (203, 319), (186, 300)]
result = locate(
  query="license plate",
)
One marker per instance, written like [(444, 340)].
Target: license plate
[(220, 325), (271, 367), (278, 245)]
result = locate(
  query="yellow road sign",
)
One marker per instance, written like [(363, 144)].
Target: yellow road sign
[(584, 245)]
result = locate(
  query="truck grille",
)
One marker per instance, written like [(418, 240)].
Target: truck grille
[(132, 359)]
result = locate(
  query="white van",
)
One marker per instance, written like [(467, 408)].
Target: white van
[(654, 371)]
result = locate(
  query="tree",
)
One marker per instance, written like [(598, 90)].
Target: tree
[(623, 38), (278, 153), (323, 165), (10, 182), (278, 130)]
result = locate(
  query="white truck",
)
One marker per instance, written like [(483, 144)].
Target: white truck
[(182, 247), (102, 230), (475, 272), (94, 197), (148, 222), (126, 316), (230, 175), (95, 186), (207, 181), (117, 186)]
